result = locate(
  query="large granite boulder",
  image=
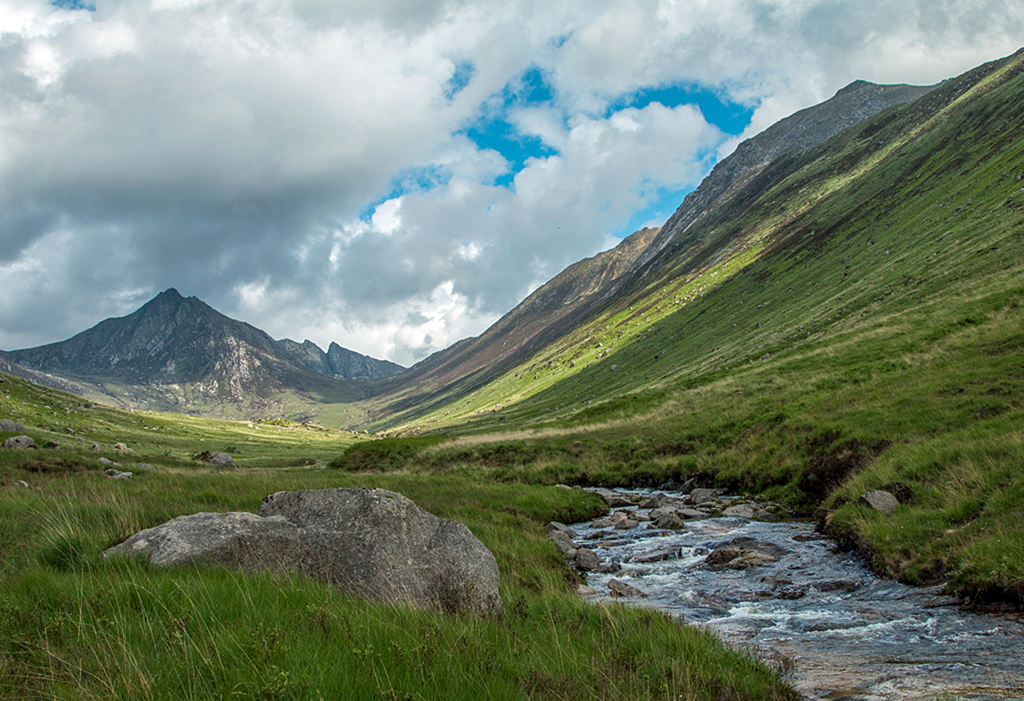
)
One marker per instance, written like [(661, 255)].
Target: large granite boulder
[(368, 542)]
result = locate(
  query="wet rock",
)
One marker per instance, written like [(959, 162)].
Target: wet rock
[(563, 542), (879, 501), (586, 560), (845, 585), (734, 558), (654, 502), (561, 528), (20, 443), (742, 553), (626, 524), (658, 555), (608, 568), (598, 535), (117, 474), (703, 496), (670, 520), (619, 588), (11, 426), (689, 514), (740, 510)]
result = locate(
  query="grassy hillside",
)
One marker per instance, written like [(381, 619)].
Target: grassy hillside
[(75, 626), (851, 321)]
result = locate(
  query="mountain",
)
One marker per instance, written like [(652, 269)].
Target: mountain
[(178, 352), (544, 315), (577, 292)]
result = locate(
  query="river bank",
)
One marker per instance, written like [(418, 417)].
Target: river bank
[(786, 592)]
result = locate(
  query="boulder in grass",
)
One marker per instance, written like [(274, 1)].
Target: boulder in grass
[(879, 500), (11, 426), (20, 443), (368, 542), (222, 460)]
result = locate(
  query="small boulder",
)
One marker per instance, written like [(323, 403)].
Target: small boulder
[(562, 528), (11, 426), (117, 474), (669, 520), (740, 510), (145, 467), (222, 460), (22, 483), (20, 443), (736, 558), (586, 560), (121, 447), (703, 496), (879, 501), (619, 588)]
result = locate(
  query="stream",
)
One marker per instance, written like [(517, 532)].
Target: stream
[(839, 631)]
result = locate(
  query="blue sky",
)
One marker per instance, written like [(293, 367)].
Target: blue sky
[(395, 175)]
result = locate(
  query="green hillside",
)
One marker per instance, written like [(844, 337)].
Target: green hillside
[(849, 320)]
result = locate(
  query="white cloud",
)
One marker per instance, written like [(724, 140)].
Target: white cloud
[(301, 164)]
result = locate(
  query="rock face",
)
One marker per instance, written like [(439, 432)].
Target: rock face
[(368, 542)]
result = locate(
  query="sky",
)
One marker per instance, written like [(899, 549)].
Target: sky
[(395, 175)]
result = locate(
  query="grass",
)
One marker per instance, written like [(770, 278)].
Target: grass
[(73, 625), (830, 334)]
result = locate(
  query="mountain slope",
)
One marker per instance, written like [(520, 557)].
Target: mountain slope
[(180, 353), (824, 221), (850, 320), (578, 292), (543, 316)]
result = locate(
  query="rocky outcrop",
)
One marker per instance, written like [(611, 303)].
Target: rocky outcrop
[(368, 542)]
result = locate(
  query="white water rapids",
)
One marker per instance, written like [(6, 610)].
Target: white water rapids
[(840, 630)]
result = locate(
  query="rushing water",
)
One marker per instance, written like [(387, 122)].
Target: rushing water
[(846, 633)]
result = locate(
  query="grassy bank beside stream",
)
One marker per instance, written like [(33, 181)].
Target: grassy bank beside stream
[(73, 626)]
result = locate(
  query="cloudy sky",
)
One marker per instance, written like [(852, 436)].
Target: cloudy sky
[(395, 175)]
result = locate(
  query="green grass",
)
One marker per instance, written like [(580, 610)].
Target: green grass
[(75, 626)]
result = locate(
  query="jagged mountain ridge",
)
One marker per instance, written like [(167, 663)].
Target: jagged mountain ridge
[(179, 354), (177, 339)]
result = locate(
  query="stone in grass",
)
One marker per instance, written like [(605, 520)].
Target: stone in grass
[(222, 460), (879, 501), (117, 474), (11, 426), (368, 542), (20, 443), (145, 467), (121, 447)]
